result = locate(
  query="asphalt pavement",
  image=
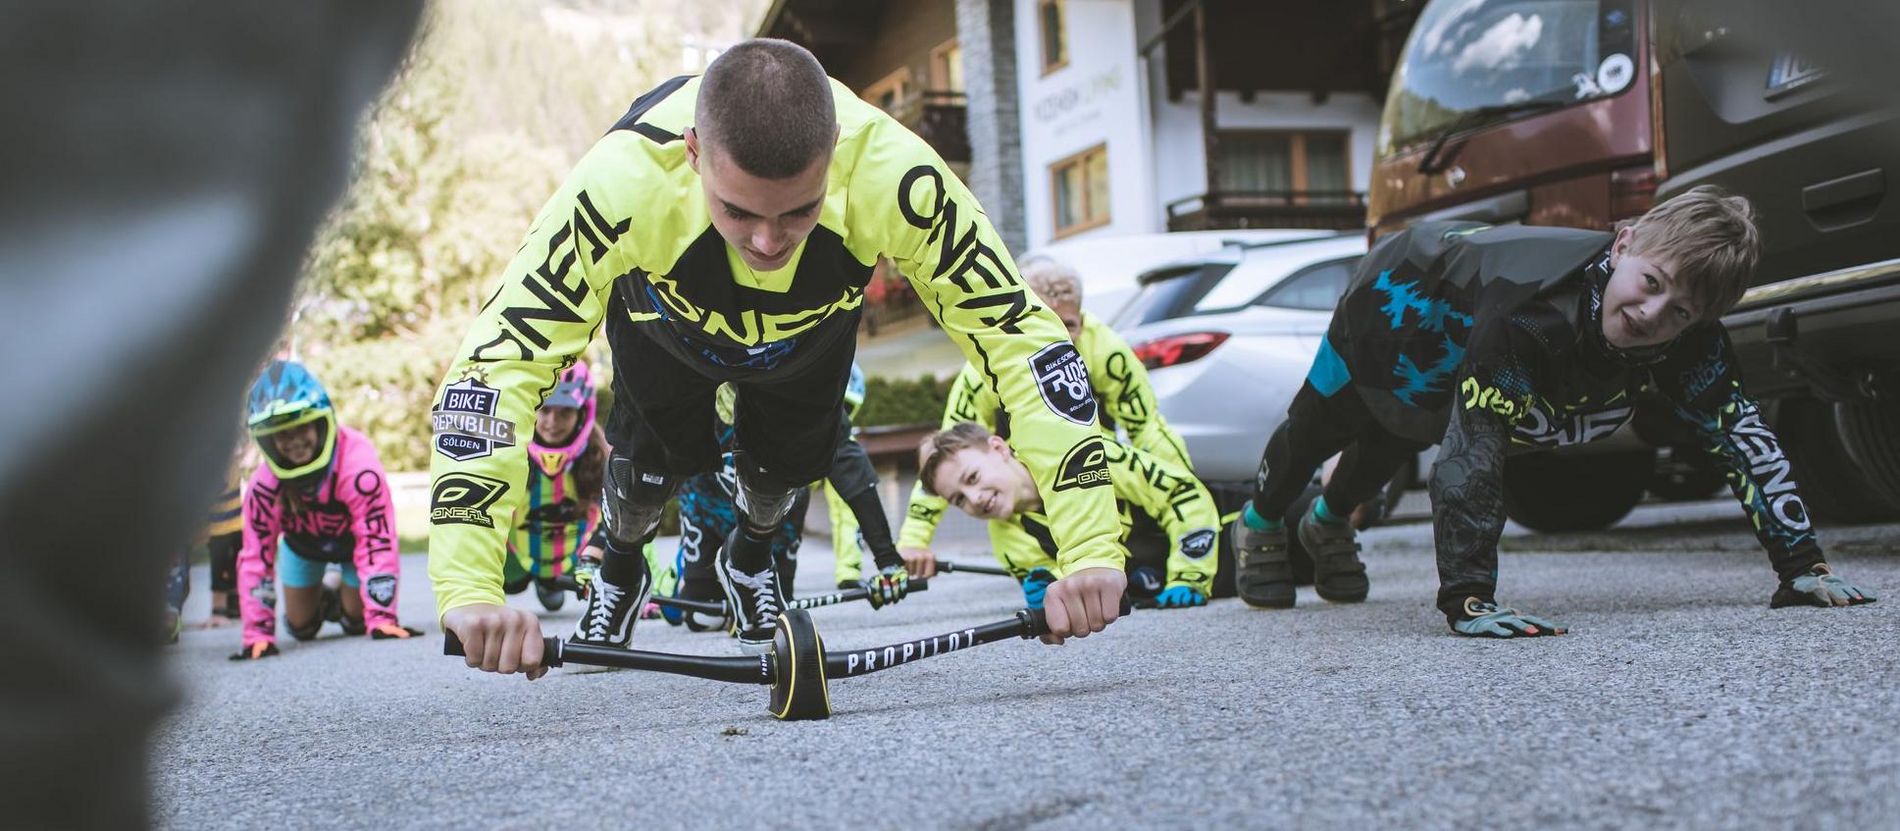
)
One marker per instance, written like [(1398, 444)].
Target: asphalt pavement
[(1678, 700)]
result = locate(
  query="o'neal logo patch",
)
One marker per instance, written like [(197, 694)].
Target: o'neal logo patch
[(1197, 544), (465, 423), (1085, 466), (464, 499), (1063, 380)]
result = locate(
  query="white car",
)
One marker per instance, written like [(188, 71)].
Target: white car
[(1110, 266), (1228, 338)]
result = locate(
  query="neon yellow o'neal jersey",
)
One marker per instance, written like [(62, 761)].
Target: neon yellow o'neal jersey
[(1120, 382), (1172, 497), (627, 241)]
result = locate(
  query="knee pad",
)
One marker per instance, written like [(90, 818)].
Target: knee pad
[(306, 631), (633, 500), (762, 501)]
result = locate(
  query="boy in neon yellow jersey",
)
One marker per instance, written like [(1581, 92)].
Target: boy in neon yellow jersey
[(977, 471)]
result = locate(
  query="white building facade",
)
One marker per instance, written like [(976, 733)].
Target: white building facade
[(1104, 151)]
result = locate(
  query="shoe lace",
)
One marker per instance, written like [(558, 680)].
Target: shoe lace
[(600, 614), (759, 586)]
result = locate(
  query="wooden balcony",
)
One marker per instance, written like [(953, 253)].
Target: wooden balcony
[(1225, 210), (942, 119)]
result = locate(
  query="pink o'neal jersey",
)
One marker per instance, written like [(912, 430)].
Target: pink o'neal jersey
[(348, 519)]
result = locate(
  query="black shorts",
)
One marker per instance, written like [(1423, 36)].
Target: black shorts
[(787, 422)]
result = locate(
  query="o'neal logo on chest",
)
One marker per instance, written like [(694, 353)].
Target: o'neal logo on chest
[(1546, 430)]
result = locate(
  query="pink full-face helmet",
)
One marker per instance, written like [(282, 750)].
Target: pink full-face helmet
[(575, 390)]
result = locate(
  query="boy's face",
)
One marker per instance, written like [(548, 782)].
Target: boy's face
[(1643, 304), (554, 424), (762, 219), (985, 482)]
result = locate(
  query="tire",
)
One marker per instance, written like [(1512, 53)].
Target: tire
[(1832, 486), (1870, 432), (1552, 492), (1689, 474)]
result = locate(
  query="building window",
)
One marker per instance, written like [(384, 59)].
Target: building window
[(1310, 165), (1078, 188), (1055, 46)]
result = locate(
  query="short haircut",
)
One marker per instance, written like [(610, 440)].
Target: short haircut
[(1709, 238), (766, 106), (944, 444), (1052, 280)]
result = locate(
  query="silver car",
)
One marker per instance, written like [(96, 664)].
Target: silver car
[(1228, 338)]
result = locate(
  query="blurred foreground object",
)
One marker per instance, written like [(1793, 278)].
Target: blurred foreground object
[(163, 168)]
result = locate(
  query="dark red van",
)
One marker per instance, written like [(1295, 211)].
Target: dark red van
[(1580, 112)]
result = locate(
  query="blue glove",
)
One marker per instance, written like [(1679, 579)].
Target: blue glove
[(1820, 587), (1035, 585), (1180, 597), (1486, 620)]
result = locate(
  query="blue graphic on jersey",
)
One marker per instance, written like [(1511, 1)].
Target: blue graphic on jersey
[(1432, 379), (1433, 316), (1402, 297), (1329, 373)]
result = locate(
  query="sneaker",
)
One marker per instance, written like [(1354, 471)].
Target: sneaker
[(1338, 575), (352, 626), (552, 597), (848, 579), (695, 588), (174, 624), (1263, 576), (610, 614), (755, 600), (329, 605), (225, 605)]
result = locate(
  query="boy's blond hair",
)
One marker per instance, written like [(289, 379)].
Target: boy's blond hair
[(1053, 281), (1708, 237), (944, 444)]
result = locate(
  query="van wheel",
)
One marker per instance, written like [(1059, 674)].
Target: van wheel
[(1831, 485), (1870, 432), (1551, 492)]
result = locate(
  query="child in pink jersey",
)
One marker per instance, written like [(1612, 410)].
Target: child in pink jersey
[(320, 497)]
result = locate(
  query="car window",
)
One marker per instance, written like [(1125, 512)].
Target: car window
[(1466, 55), (1318, 287), (1261, 269), (1166, 295)]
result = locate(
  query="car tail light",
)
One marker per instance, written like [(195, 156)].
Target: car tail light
[(1632, 192), (1175, 350)]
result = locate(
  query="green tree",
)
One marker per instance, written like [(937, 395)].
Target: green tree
[(495, 103)]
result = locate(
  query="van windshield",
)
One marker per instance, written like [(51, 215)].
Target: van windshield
[(1467, 55)]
